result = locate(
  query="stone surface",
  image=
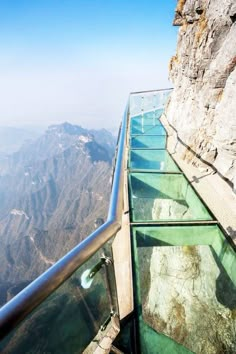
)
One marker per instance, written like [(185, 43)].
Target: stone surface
[(188, 296), (202, 107), (168, 208)]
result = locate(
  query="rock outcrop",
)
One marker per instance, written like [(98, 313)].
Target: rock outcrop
[(186, 300), (202, 107)]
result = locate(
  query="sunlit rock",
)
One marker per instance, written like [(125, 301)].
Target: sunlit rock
[(189, 297)]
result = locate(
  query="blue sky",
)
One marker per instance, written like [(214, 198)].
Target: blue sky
[(73, 60)]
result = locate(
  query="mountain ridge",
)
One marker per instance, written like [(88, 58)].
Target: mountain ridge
[(51, 196)]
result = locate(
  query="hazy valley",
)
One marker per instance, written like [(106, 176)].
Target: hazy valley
[(52, 191)]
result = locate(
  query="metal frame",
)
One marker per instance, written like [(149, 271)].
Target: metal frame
[(175, 223), (150, 91)]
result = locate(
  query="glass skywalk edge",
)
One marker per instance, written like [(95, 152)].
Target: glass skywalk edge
[(150, 100), (71, 317), (15, 316), (184, 276)]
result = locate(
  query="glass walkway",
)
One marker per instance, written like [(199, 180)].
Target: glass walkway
[(184, 269), (183, 266)]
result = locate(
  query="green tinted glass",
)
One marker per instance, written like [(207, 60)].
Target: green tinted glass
[(164, 197), (148, 130), (148, 142), (148, 119), (185, 288), (158, 160)]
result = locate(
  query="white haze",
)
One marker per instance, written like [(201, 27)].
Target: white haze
[(91, 95)]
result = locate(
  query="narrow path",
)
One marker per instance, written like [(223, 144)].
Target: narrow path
[(181, 258)]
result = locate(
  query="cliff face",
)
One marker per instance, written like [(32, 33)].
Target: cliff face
[(202, 107)]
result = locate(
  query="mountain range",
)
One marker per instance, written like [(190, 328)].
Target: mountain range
[(53, 192)]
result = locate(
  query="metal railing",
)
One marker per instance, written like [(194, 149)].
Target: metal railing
[(13, 312), (151, 91)]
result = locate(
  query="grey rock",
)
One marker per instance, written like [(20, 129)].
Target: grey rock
[(202, 106), (189, 298)]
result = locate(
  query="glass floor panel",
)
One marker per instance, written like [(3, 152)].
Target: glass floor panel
[(164, 197), (158, 160), (145, 120), (185, 289), (148, 142), (148, 130)]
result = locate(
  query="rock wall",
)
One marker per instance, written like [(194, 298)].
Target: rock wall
[(190, 299), (202, 107)]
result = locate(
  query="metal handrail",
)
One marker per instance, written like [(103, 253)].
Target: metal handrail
[(149, 91), (13, 312)]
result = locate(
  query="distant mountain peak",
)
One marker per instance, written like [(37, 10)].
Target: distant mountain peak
[(99, 145), (67, 128), (51, 191)]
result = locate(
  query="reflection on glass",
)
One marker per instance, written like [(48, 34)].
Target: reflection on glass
[(152, 160), (164, 197), (148, 130), (186, 287), (65, 322), (148, 142), (147, 119)]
